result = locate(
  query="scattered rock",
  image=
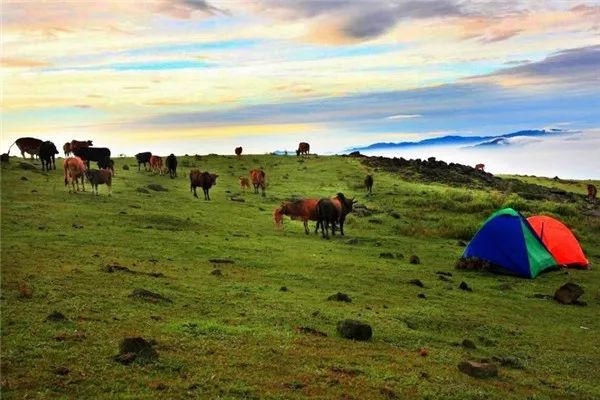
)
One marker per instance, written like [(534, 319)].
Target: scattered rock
[(568, 293), (478, 370), (24, 178), (416, 282), (142, 190), (56, 316), (386, 255), (355, 330), (283, 289), (310, 331), (110, 268), (444, 273), (444, 278), (421, 296), (414, 259), (61, 371), (135, 348), (25, 290), (468, 344), (339, 296), (126, 167), (221, 261), (157, 188), (505, 286), (216, 272), (26, 166), (510, 362), (149, 296), (352, 241), (463, 286)]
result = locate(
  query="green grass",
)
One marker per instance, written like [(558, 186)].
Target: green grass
[(234, 336)]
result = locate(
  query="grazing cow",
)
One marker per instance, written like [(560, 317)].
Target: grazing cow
[(156, 164), (99, 154), (143, 158), (28, 145), (369, 183), (480, 167), (303, 210), (67, 149), (328, 213), (74, 169), (47, 153), (97, 177), (238, 151), (303, 148), (244, 183), (257, 176), (592, 192), (171, 164), (205, 180), (77, 144)]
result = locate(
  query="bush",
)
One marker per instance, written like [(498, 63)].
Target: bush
[(126, 167)]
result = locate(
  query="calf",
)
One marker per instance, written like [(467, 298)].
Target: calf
[(258, 180), (143, 158), (156, 164), (244, 183), (47, 152), (98, 177), (171, 164), (205, 180), (74, 168), (369, 183)]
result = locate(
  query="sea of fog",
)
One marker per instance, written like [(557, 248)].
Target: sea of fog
[(574, 156)]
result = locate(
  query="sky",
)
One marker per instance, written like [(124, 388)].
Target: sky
[(204, 76)]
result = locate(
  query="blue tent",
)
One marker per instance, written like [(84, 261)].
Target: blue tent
[(507, 240)]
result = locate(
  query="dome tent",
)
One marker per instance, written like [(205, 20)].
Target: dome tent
[(559, 240), (507, 240)]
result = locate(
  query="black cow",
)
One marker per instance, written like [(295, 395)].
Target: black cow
[(346, 208), (98, 154), (204, 180), (47, 153), (327, 213), (107, 164), (171, 164), (143, 158)]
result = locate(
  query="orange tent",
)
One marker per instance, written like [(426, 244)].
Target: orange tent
[(559, 240)]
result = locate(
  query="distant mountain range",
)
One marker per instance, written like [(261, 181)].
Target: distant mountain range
[(468, 141)]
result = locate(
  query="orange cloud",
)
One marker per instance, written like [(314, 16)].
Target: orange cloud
[(8, 62)]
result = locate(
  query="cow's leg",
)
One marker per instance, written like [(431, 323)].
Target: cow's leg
[(342, 225), (195, 194), (263, 190), (305, 226), (109, 190)]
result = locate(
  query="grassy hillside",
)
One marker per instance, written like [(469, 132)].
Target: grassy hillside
[(235, 335)]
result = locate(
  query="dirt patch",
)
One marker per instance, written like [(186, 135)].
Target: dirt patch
[(339, 296), (25, 290), (110, 268), (135, 348), (310, 331), (147, 295), (157, 188), (416, 282), (142, 190), (56, 316), (355, 330)]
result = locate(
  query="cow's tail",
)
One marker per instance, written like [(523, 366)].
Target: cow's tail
[(10, 147)]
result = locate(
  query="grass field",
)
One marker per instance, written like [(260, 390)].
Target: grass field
[(235, 336)]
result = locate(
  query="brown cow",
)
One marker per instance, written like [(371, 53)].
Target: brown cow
[(97, 177), (27, 145), (77, 144), (303, 210), (205, 180), (257, 176), (74, 169), (156, 164), (67, 149), (480, 167), (303, 148), (244, 183), (238, 151), (592, 192)]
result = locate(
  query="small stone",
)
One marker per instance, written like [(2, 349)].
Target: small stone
[(126, 167), (283, 289), (444, 278), (56, 316), (414, 259), (463, 286), (421, 296), (468, 344), (568, 293), (339, 296), (355, 330), (61, 371), (416, 282), (478, 370)]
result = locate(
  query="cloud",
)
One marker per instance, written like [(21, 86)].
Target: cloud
[(9, 62), (404, 116), (185, 9)]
